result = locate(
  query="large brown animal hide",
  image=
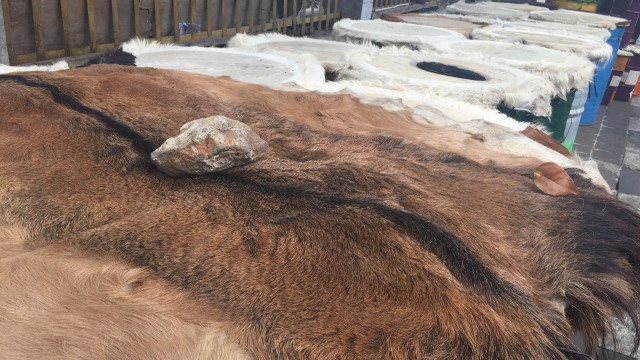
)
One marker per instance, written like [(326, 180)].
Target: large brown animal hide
[(354, 237)]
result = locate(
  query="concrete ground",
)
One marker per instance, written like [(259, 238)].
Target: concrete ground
[(614, 143)]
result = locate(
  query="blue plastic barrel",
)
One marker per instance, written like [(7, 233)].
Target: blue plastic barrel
[(600, 79)]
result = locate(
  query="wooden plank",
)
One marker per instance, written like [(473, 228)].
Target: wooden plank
[(116, 22), (136, 18), (252, 14), (157, 19), (284, 17), (303, 19), (176, 19), (7, 31), (105, 47), (64, 10), (37, 23), (192, 18), (238, 19), (263, 15), (209, 18), (295, 16), (91, 15), (326, 4), (274, 16), (223, 13), (313, 8)]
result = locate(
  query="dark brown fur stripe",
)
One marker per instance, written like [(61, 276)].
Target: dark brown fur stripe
[(68, 100)]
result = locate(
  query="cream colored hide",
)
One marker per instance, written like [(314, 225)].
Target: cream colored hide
[(251, 67), (58, 304)]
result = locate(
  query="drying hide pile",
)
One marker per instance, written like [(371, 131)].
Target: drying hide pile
[(488, 11), (356, 235), (351, 73), (256, 68)]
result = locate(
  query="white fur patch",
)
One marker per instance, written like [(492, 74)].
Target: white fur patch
[(60, 65), (586, 47), (482, 10), (563, 29), (579, 18), (564, 70), (265, 69), (519, 7), (331, 54), (392, 33), (397, 68)]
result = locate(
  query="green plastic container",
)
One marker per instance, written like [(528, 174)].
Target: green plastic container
[(562, 124)]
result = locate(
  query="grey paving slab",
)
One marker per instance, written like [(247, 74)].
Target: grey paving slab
[(606, 156), (618, 107), (634, 123), (618, 121), (606, 354), (631, 158), (602, 110), (610, 142), (629, 181), (588, 129), (614, 130), (634, 111), (634, 139), (623, 331), (587, 134), (632, 200)]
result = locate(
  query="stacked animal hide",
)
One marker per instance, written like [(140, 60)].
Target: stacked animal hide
[(385, 33), (264, 69), (503, 136), (331, 54), (402, 68), (564, 70), (580, 18), (435, 20), (507, 5), (564, 29), (352, 238), (500, 133), (486, 11), (591, 48)]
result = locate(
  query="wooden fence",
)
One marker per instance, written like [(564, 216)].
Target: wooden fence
[(47, 29)]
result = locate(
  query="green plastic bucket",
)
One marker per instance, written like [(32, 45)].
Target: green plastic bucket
[(561, 124)]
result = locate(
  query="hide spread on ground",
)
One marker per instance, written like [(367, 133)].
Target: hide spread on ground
[(360, 232)]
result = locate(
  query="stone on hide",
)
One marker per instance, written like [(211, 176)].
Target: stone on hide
[(208, 145)]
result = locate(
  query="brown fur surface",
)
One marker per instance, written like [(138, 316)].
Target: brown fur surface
[(58, 304), (344, 241)]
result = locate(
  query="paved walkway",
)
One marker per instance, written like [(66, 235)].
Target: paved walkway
[(614, 142)]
